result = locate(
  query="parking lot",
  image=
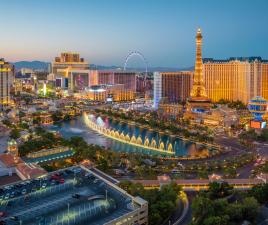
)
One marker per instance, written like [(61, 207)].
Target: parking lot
[(71, 196)]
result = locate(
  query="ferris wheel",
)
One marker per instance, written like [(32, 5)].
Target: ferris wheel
[(141, 56)]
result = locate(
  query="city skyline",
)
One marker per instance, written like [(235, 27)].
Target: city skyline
[(105, 32)]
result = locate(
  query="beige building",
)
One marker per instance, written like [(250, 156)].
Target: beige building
[(68, 60), (236, 78), (6, 81), (264, 82), (110, 93), (69, 71)]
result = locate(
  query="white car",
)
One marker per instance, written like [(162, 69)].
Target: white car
[(6, 196)]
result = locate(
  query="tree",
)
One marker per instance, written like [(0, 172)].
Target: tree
[(230, 172), (219, 189), (103, 164), (235, 211), (217, 220), (14, 134), (161, 202), (24, 125), (202, 208), (264, 135), (37, 120), (67, 117), (57, 116), (21, 114), (7, 123), (260, 192), (250, 208)]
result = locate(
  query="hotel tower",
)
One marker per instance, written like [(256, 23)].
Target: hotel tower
[(6, 81), (236, 78)]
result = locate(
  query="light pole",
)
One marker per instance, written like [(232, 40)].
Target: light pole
[(68, 213)]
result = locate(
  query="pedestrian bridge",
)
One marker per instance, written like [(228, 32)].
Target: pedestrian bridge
[(200, 184)]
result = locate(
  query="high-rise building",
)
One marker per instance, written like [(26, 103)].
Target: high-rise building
[(236, 78), (69, 71), (157, 89), (198, 101), (68, 60), (264, 82), (174, 87), (127, 78), (6, 81)]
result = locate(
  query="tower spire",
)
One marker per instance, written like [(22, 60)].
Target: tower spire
[(198, 89)]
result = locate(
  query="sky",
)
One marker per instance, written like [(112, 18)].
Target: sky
[(105, 31)]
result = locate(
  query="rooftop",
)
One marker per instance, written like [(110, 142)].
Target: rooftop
[(8, 160), (242, 59), (74, 195)]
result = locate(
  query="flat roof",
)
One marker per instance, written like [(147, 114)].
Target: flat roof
[(5, 180), (74, 195)]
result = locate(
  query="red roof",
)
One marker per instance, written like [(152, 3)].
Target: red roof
[(30, 171), (9, 160)]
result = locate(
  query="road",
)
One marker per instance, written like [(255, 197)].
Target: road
[(188, 218), (176, 215), (263, 150), (3, 143)]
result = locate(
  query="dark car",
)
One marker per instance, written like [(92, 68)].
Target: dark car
[(76, 196)]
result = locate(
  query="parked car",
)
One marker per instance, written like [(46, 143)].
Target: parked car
[(15, 218), (76, 196)]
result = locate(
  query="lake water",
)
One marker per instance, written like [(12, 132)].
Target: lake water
[(78, 127)]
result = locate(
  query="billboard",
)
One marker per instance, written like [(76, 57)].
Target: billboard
[(257, 124)]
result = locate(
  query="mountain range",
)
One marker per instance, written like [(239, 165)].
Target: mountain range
[(40, 65)]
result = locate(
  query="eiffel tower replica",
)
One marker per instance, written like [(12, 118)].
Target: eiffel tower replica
[(198, 102)]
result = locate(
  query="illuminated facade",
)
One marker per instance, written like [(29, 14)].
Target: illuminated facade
[(68, 60), (264, 82), (78, 79), (176, 86), (69, 71), (173, 86), (258, 107), (157, 89), (116, 92), (198, 101), (6, 81), (198, 91), (127, 78), (236, 78)]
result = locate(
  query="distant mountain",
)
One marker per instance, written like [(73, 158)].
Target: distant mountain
[(36, 65), (150, 69), (39, 65), (101, 67)]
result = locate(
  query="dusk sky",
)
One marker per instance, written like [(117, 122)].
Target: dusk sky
[(105, 31)]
